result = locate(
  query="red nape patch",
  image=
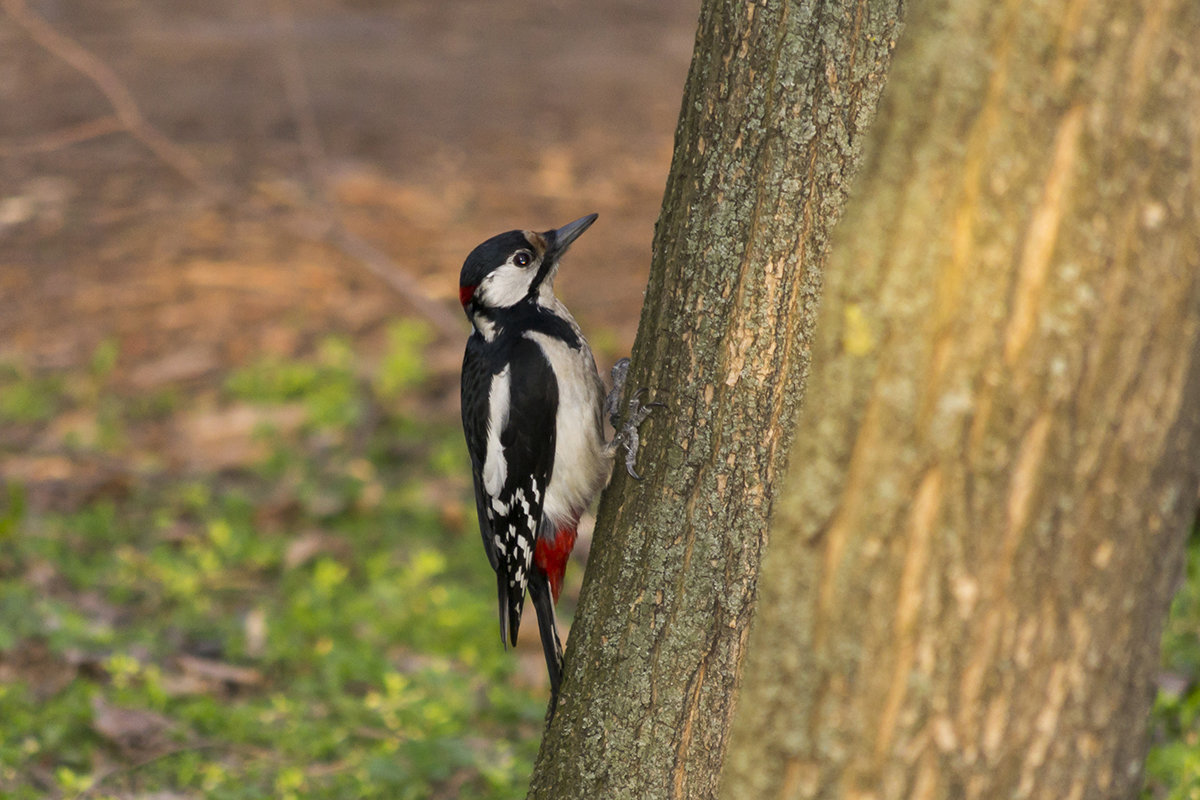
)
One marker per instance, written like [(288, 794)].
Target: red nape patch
[(465, 293), (552, 557)]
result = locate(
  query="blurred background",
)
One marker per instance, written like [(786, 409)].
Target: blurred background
[(238, 555)]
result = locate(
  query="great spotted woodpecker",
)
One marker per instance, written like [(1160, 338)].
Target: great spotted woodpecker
[(531, 408)]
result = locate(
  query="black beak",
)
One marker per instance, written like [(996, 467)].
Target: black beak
[(561, 239)]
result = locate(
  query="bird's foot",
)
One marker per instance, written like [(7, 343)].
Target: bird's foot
[(636, 413), (612, 403)]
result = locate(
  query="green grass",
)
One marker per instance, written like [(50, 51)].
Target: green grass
[(339, 584), (26, 398), (1173, 765)]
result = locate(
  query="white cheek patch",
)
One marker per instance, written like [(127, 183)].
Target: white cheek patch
[(506, 285)]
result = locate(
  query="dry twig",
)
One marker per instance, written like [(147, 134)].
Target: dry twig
[(333, 231), (64, 137), (114, 89), (295, 89), (128, 117)]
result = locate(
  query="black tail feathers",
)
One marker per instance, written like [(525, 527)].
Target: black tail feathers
[(511, 604), (543, 603)]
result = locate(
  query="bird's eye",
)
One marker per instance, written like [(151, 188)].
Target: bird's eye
[(522, 258)]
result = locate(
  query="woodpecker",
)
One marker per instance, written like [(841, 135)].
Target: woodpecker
[(532, 402)]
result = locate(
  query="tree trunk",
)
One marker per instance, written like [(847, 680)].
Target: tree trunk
[(778, 96), (976, 546)]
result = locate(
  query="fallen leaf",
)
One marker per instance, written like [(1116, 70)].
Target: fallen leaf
[(134, 731), (255, 627), (181, 365), (311, 544), (218, 671)]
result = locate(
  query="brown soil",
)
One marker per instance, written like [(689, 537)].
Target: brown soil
[(440, 124)]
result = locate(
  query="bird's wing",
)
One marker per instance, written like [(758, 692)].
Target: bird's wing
[(476, 384), (513, 456)]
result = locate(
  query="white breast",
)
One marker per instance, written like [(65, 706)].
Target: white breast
[(580, 464)]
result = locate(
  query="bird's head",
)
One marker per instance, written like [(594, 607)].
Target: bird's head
[(515, 267)]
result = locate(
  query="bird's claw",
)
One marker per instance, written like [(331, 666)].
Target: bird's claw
[(612, 403), (637, 412)]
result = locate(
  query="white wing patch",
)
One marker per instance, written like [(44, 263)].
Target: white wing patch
[(520, 576), (515, 541), (495, 470)]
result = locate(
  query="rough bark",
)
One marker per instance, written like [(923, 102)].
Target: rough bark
[(777, 99), (982, 528)]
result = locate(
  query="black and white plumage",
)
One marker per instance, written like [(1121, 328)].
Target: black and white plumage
[(532, 405)]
